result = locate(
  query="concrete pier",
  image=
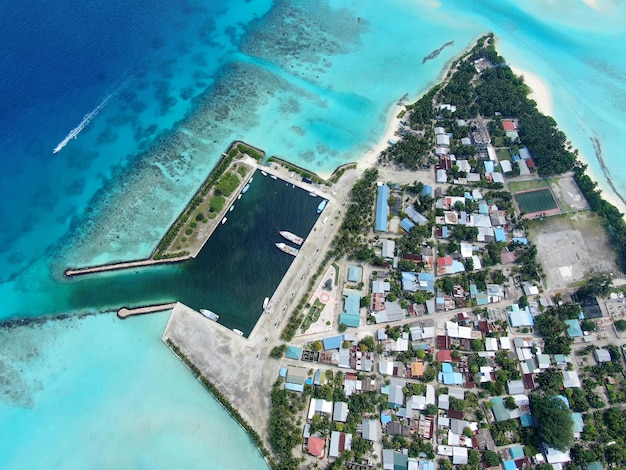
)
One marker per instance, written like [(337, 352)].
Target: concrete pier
[(129, 312)]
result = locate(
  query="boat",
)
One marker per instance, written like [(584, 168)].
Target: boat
[(231, 208), (224, 220), (245, 188), (250, 180), (322, 206), (239, 332), (274, 177), (287, 249), (292, 237), (239, 197), (209, 314), (266, 302), (263, 173), (312, 194)]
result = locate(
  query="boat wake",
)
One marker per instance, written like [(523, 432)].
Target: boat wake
[(86, 119)]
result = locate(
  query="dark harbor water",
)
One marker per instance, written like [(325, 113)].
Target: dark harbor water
[(237, 268)]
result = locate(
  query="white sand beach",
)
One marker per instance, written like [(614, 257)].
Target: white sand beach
[(540, 91)]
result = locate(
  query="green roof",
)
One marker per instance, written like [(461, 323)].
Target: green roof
[(350, 320), (293, 352)]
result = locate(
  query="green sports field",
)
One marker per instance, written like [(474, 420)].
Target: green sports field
[(540, 200)]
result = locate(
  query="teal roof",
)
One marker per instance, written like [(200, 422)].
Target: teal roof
[(526, 420), (595, 466), (349, 319), (499, 410), (573, 328), (579, 425), (510, 465), (293, 352), (517, 452), (354, 273), (352, 305)]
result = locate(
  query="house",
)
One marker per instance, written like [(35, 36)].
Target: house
[(354, 273), (340, 412), (295, 378), (415, 216), (315, 446), (339, 441), (515, 387), (351, 315), (382, 208), (319, 406), (407, 225), (388, 248), (520, 318), (509, 125), (571, 379), (602, 355), (370, 430)]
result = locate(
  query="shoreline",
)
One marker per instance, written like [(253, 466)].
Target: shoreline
[(540, 92)]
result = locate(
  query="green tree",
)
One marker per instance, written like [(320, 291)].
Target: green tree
[(491, 458), (555, 421), (620, 325)]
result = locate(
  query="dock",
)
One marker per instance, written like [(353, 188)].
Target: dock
[(125, 265), (129, 312)]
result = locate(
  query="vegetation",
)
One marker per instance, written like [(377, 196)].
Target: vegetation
[(285, 433), (555, 421)]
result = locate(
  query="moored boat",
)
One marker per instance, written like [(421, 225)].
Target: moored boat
[(266, 302), (292, 237), (322, 206), (274, 177), (290, 250), (224, 220), (239, 332), (263, 173), (231, 208), (312, 194), (245, 188), (209, 314)]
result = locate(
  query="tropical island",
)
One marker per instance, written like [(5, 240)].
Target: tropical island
[(458, 305)]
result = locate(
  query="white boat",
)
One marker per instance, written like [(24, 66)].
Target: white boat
[(274, 177), (250, 180), (239, 332), (263, 173), (224, 220), (312, 194), (292, 237), (245, 188), (266, 302), (209, 314), (290, 250), (231, 208), (239, 197)]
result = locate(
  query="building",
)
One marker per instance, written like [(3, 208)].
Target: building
[(602, 355), (382, 208), (339, 441), (388, 248), (316, 446), (370, 430)]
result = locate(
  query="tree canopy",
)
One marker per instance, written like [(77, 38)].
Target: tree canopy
[(555, 421)]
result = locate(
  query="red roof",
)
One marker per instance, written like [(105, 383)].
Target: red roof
[(509, 125), (530, 163), (445, 261), (316, 447), (444, 355), (507, 257)]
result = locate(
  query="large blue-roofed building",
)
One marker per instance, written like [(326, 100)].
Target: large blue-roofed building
[(382, 208)]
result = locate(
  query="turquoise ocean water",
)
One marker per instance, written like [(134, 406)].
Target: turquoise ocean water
[(161, 89)]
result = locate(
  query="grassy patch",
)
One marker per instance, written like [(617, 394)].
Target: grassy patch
[(517, 186), (504, 154), (227, 184)]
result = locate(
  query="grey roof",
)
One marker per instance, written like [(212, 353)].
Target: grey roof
[(370, 430), (516, 387), (340, 413)]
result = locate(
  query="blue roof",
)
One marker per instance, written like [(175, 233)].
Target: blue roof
[(426, 282), (427, 190), (444, 231), (473, 289), (382, 209), (451, 378), (309, 381), (483, 208), (426, 465), (573, 328), (524, 153), (283, 372), (294, 387), (510, 465), (354, 273), (416, 216), (499, 234), (352, 305), (565, 400), (349, 319), (526, 420), (333, 342), (385, 418), (293, 352), (407, 225), (489, 166), (522, 240), (446, 367)]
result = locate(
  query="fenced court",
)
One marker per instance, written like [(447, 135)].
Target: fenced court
[(537, 203)]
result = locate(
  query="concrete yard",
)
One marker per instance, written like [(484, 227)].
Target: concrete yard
[(570, 247)]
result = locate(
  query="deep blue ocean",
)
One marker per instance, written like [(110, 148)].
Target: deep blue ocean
[(154, 91)]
